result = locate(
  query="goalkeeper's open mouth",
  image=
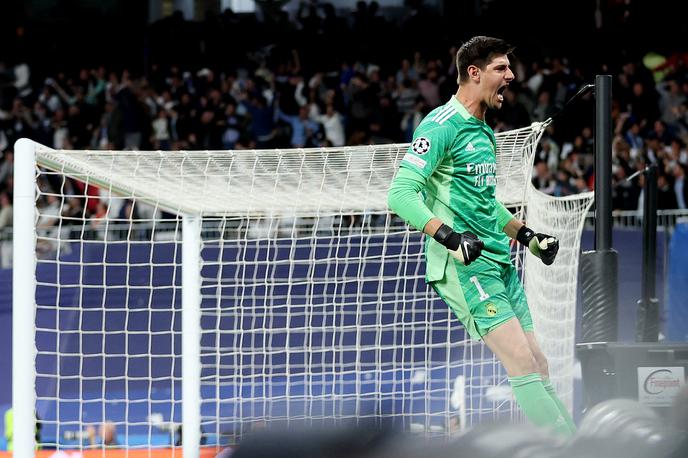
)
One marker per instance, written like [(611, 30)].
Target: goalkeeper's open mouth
[(500, 92)]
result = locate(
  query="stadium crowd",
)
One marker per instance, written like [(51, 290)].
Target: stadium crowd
[(282, 91)]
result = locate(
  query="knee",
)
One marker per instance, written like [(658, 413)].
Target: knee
[(542, 364), (525, 360)]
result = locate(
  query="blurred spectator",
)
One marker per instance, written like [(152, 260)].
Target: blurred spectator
[(643, 102), (666, 197), (633, 138), (178, 431), (406, 97), (406, 73), (543, 178), (303, 129), (563, 185), (536, 79), (362, 102), (681, 124), (661, 132), (132, 112), (161, 131), (333, 124), (6, 167), (261, 116), (548, 152), (680, 188), (98, 218), (9, 428), (49, 213), (5, 225), (385, 122), (678, 152), (412, 119), (544, 107), (625, 193), (428, 86), (363, 92), (234, 127), (106, 435)]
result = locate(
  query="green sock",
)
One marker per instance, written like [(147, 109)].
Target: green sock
[(536, 404), (560, 405)]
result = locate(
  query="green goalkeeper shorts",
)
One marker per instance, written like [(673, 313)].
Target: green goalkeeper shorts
[(484, 295)]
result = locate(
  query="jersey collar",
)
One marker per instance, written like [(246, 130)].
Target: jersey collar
[(462, 110)]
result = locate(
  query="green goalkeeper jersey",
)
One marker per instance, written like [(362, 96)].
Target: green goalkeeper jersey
[(454, 154)]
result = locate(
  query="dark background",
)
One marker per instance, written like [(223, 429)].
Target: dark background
[(59, 34)]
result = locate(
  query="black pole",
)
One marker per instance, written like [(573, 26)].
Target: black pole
[(647, 326), (599, 268), (649, 232), (603, 162)]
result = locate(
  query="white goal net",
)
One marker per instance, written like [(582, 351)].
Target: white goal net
[(216, 292)]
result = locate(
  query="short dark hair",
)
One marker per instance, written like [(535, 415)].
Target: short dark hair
[(479, 51)]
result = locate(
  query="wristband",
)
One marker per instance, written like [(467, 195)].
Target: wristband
[(443, 233), (524, 235)]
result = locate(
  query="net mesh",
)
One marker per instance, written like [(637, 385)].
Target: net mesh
[(552, 290), (313, 304)]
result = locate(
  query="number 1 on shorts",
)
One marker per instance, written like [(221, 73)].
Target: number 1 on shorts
[(481, 291)]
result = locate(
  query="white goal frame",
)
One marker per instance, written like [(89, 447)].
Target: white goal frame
[(24, 351), (23, 316)]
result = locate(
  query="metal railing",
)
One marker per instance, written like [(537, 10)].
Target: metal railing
[(633, 219)]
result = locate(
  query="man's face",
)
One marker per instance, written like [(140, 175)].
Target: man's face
[(494, 80)]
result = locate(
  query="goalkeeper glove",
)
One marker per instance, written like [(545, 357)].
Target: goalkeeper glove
[(543, 246), (465, 247)]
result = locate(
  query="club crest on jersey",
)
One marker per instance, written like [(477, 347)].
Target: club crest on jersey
[(491, 309), (421, 145)]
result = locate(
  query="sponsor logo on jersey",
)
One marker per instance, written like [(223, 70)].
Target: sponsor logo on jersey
[(483, 173), (480, 168), (415, 160), (470, 147), (491, 309), (421, 145)]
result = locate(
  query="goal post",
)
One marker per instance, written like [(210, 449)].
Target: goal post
[(23, 299), (215, 292), (24, 311), (191, 333)]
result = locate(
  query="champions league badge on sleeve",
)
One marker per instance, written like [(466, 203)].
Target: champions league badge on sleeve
[(421, 145)]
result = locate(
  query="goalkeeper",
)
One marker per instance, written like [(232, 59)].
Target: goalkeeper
[(452, 163)]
